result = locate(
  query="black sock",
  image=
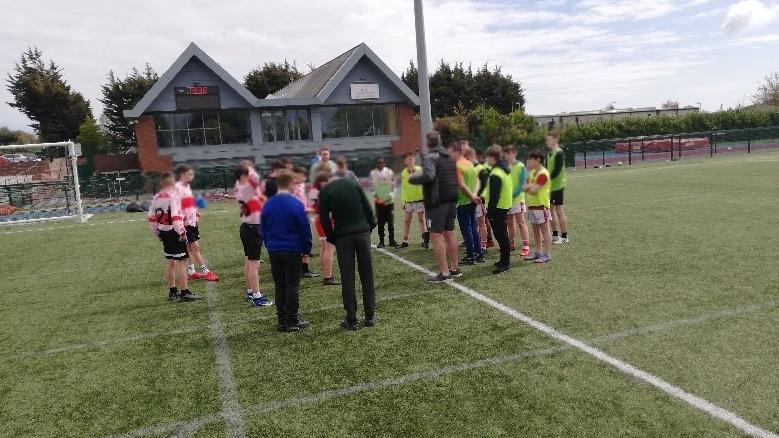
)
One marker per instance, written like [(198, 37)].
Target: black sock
[(305, 267), (555, 233), (174, 291), (565, 235)]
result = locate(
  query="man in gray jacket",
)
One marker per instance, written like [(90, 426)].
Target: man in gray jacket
[(441, 188)]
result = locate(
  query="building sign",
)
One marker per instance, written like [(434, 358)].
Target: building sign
[(365, 91), (197, 97)]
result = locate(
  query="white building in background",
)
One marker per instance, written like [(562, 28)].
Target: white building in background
[(562, 120)]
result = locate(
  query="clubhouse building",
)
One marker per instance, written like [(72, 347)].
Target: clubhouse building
[(197, 113)]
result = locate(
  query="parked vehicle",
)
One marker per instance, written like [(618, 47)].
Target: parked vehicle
[(20, 158)]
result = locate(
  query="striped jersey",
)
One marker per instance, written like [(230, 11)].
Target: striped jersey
[(188, 204), (249, 201), (165, 212)]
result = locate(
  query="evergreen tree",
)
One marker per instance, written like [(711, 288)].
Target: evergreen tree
[(42, 94), (120, 95), (271, 78)]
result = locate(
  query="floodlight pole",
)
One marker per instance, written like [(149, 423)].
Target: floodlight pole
[(424, 80)]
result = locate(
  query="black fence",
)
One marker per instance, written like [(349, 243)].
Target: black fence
[(670, 147)]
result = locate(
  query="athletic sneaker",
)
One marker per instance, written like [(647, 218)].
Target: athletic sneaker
[(404, 245), (211, 276), (525, 251), (249, 296), (330, 282), (468, 261), (393, 244), (455, 274), (261, 301), (380, 245), (555, 239), (195, 276), (543, 258), (350, 325), (369, 322), (309, 274), (501, 269), (173, 296), (188, 296), (438, 278), (561, 240), (532, 257), (480, 259)]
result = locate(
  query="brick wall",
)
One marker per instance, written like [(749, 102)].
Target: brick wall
[(410, 131), (149, 155), (116, 163)]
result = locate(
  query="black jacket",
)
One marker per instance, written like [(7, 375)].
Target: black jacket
[(344, 202), (438, 178)]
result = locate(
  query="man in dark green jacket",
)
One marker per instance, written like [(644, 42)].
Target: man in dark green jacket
[(347, 219)]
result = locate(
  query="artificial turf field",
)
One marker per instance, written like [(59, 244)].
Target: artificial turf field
[(671, 268)]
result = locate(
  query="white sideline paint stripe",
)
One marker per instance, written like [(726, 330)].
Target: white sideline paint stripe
[(147, 336), (185, 427), (674, 391), (231, 409), (90, 224)]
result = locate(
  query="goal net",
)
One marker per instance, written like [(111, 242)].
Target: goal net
[(39, 182)]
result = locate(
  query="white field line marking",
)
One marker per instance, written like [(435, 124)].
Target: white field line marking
[(231, 409), (147, 336), (94, 224), (187, 427), (674, 391)]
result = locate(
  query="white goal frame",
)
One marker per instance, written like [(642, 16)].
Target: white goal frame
[(79, 215)]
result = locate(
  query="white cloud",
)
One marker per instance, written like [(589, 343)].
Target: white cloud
[(749, 15)]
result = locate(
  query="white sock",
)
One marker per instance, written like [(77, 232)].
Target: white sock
[(190, 269), (248, 291), (256, 295), (205, 270)]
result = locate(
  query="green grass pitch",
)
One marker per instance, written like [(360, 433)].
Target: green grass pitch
[(671, 268)]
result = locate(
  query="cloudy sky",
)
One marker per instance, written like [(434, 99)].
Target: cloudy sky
[(569, 54)]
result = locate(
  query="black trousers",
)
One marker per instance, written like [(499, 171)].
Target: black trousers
[(348, 248), (285, 268), (386, 218), (500, 231)]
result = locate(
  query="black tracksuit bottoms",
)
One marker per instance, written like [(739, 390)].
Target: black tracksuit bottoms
[(385, 217), (285, 268), (348, 248), (500, 231)]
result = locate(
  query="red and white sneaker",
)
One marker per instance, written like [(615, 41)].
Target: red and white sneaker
[(195, 276), (210, 276), (525, 251)]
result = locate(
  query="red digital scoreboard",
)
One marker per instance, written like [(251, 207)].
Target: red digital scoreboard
[(197, 97)]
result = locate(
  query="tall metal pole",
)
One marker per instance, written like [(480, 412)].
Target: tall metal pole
[(424, 80)]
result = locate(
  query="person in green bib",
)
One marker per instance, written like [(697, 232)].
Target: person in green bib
[(468, 179), (382, 181), (413, 201), (499, 198), (538, 190), (555, 162), (518, 207)]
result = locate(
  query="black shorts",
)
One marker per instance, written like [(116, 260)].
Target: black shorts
[(558, 197), (174, 249), (193, 234), (442, 218), (250, 238)]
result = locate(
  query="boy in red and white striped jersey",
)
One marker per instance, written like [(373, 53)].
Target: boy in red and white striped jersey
[(184, 175), (247, 194), (166, 220), (299, 191)]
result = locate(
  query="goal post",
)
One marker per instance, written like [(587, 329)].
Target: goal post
[(39, 183)]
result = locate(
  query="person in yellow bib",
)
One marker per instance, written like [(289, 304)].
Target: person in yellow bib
[(413, 202), (555, 161), (538, 190), (468, 179), (499, 198), (518, 207)]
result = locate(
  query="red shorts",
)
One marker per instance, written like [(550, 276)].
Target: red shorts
[(319, 230)]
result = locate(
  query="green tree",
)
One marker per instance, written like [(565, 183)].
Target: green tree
[(270, 78), (768, 92), (42, 94), (120, 94), (452, 85), (92, 141), (15, 136)]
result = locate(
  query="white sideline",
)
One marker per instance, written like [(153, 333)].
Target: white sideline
[(187, 427), (674, 391), (93, 224), (147, 336), (231, 409)]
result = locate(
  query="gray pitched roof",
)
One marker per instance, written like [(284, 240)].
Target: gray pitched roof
[(192, 51), (311, 84)]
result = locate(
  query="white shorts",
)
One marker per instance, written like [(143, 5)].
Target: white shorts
[(415, 207), (540, 217), (481, 210), (518, 209)]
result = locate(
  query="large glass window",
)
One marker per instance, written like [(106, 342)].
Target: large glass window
[(202, 128), (286, 125), (359, 121)]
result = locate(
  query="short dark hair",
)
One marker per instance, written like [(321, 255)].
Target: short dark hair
[(324, 148), (284, 179), (553, 134), (322, 177), (410, 154), (509, 148), (166, 180), (300, 169), (181, 169), (456, 146), (278, 164), (536, 154), (342, 161), (495, 152), (433, 139), (381, 160), (240, 171)]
